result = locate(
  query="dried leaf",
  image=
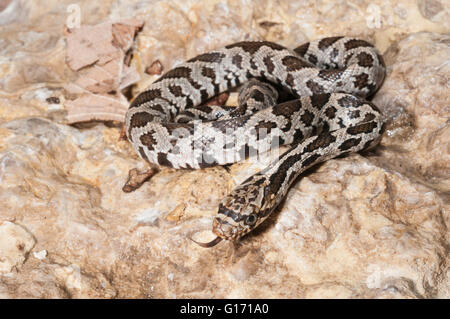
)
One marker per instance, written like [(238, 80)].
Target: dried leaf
[(97, 53)]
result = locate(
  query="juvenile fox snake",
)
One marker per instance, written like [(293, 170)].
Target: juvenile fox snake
[(327, 115)]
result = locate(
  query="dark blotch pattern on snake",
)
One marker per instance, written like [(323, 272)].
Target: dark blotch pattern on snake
[(328, 116)]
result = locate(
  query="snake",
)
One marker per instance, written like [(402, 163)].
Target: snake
[(313, 99)]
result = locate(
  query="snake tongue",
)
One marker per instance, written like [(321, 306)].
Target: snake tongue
[(212, 243)]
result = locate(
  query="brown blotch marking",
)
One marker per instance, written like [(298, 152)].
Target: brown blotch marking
[(148, 140), (237, 60), (208, 57), (356, 43), (288, 108), (325, 128), (277, 179), (138, 120), (301, 50), (361, 80), (189, 102), (178, 72), (307, 117), (319, 100), (209, 73), (293, 63), (330, 112), (369, 117), (145, 97), (361, 128), (269, 64), (298, 136), (315, 87), (204, 96), (326, 42), (321, 141), (312, 59), (365, 59), (349, 143), (251, 47), (204, 108), (176, 90), (162, 160), (310, 160)]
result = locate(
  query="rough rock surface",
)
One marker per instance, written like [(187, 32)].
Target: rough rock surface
[(373, 225)]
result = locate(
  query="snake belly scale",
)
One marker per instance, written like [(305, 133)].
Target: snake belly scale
[(329, 81)]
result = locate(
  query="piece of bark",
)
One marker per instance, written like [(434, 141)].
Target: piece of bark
[(96, 107), (136, 178), (220, 99), (98, 53), (89, 44), (155, 68)]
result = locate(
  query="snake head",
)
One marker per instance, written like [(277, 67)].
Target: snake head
[(247, 206)]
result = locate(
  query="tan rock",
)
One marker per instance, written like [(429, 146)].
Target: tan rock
[(373, 225), (15, 243)]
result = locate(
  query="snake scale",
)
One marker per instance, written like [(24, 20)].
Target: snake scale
[(327, 82)]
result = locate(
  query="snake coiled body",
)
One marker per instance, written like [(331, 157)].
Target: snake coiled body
[(328, 81)]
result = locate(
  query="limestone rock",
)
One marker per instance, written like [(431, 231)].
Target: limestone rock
[(15, 243), (371, 225)]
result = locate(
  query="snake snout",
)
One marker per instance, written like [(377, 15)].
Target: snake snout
[(224, 229)]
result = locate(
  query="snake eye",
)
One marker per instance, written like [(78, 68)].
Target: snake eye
[(251, 219)]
